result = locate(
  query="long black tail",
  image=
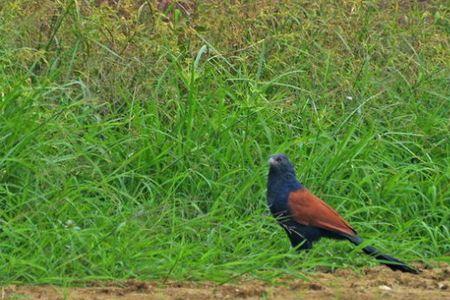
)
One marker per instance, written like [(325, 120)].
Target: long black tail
[(391, 262)]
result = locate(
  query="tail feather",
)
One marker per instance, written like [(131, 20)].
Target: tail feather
[(391, 262)]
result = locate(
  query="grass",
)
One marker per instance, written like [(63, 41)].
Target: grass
[(134, 144)]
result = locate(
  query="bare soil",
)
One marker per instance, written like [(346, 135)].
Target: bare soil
[(374, 283)]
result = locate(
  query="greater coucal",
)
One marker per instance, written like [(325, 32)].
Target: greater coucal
[(306, 218)]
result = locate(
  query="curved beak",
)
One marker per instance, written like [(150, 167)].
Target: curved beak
[(272, 161)]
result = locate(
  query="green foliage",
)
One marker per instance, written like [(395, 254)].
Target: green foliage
[(134, 144)]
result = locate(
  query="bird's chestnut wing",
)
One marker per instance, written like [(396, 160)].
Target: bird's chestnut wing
[(308, 209)]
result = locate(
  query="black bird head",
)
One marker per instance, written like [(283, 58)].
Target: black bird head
[(280, 164)]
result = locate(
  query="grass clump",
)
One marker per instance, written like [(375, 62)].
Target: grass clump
[(134, 142)]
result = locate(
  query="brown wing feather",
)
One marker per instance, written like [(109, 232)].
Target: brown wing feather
[(308, 209)]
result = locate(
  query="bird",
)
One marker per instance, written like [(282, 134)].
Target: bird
[(306, 218)]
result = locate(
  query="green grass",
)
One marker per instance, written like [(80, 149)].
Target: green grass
[(134, 147)]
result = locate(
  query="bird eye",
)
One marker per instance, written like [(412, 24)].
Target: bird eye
[(278, 159)]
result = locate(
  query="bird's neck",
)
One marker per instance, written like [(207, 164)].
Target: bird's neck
[(279, 185)]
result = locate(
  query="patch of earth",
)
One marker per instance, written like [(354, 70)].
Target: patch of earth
[(374, 283)]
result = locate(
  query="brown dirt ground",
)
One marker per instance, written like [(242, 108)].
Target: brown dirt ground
[(374, 283)]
